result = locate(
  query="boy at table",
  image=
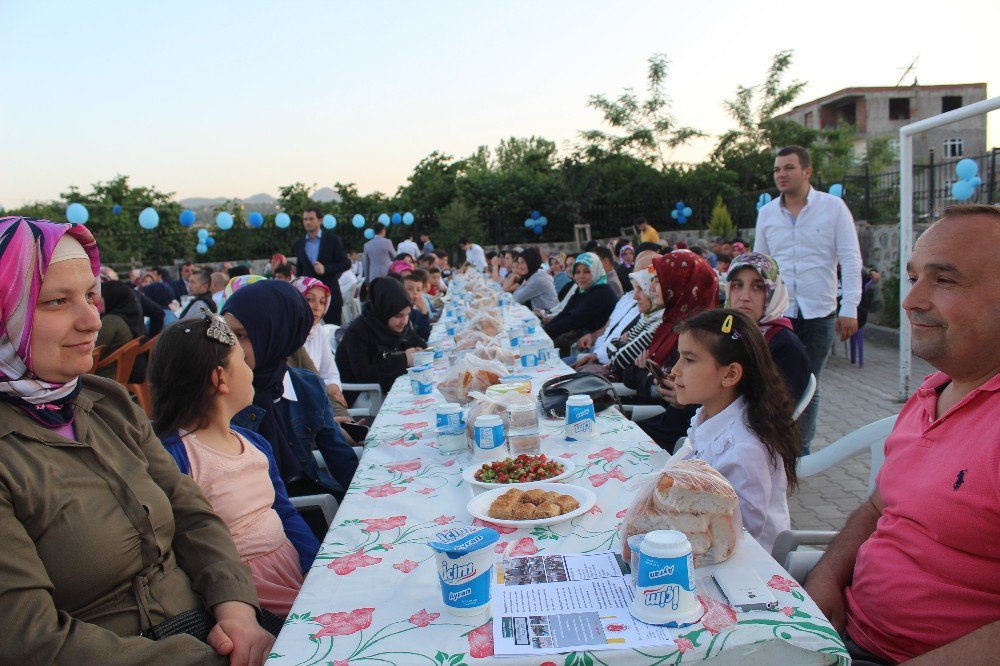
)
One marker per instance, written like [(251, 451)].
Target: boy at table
[(915, 573)]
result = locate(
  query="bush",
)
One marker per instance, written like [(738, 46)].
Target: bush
[(721, 223)]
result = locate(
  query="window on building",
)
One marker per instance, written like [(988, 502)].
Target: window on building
[(809, 119), (950, 103), (899, 108), (954, 147)]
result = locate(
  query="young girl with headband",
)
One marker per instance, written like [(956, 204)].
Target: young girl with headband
[(200, 380), (744, 427)]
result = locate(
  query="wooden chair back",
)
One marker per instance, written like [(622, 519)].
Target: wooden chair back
[(142, 391), (95, 357), (123, 359)]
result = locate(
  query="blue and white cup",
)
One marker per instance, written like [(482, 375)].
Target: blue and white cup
[(549, 355), (665, 592), (516, 334), (529, 356), (530, 326), (581, 419), (423, 358), (421, 379), (489, 440), (464, 558)]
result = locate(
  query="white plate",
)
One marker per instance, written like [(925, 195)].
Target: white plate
[(479, 505), (478, 486)]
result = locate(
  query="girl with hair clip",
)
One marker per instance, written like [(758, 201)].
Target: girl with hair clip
[(744, 427), (200, 380)]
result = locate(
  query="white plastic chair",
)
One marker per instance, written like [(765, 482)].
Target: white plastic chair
[(806, 398), (325, 503), (368, 403), (871, 437)]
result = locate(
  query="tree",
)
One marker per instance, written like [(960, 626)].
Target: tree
[(721, 223), (645, 126), (747, 148), (455, 221), (432, 186)]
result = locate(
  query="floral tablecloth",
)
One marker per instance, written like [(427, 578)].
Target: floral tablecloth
[(373, 596)]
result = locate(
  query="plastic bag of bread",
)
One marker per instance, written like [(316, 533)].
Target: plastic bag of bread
[(470, 373), (691, 497), (494, 402), (469, 338), (493, 350), (486, 323)]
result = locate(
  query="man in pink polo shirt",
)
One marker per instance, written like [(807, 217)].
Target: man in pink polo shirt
[(915, 573)]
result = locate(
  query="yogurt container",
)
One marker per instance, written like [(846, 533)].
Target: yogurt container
[(516, 333), (450, 429), (515, 379), (665, 592), (489, 442), (464, 557), (530, 326), (529, 355), (581, 420), (423, 358), (421, 379), (548, 355)]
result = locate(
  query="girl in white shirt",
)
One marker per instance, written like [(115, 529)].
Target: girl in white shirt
[(317, 345), (744, 427)]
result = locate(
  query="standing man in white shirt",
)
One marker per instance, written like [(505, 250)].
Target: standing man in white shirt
[(475, 255), (408, 246), (808, 233)]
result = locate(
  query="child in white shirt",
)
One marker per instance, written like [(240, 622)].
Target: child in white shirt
[(744, 427)]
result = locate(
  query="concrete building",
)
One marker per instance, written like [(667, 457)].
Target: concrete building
[(881, 111)]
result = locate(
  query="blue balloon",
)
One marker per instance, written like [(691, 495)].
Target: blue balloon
[(966, 169), (77, 213), (202, 234), (765, 199), (962, 190), (408, 218), (187, 218), (681, 219), (976, 181), (535, 215), (224, 221), (529, 223), (282, 220), (117, 209), (358, 220), (384, 219), (201, 248), (679, 206), (329, 221), (369, 234), (837, 190), (256, 220), (675, 213), (686, 212), (543, 221), (209, 241), (149, 218), (539, 228), (397, 218)]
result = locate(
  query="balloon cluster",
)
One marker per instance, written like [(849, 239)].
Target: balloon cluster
[(967, 182), (763, 200), (205, 241), (536, 222), (837, 190), (681, 212)]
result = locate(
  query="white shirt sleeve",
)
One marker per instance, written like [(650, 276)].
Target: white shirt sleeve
[(759, 239), (849, 256)]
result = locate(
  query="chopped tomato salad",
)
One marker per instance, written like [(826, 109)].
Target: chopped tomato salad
[(521, 469)]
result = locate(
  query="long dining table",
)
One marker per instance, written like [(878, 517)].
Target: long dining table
[(373, 596)]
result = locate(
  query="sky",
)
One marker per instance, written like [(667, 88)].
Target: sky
[(234, 98)]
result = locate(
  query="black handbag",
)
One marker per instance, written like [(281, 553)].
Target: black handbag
[(553, 394)]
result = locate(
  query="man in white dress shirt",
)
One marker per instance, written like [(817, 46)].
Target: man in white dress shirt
[(808, 233), (474, 254), (408, 246)]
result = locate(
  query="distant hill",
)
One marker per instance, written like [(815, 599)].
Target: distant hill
[(326, 195), (262, 198), (202, 202)]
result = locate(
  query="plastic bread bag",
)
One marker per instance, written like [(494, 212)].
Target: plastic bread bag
[(451, 384), (485, 322), (493, 349), (470, 373), (494, 402), (468, 339), (691, 497)]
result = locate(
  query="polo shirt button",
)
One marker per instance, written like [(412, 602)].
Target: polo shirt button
[(146, 509)]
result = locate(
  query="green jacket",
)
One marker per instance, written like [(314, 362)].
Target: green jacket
[(103, 538)]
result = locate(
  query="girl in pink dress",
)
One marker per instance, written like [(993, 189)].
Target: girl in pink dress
[(200, 378)]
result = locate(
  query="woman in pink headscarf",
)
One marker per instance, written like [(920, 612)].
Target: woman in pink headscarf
[(317, 345), (107, 547)]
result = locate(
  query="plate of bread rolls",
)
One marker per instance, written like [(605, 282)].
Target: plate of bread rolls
[(530, 505)]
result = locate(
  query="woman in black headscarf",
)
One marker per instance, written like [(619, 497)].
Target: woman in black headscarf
[(378, 346), (271, 320), (121, 322), (537, 290)]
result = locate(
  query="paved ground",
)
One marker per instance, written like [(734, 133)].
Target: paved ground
[(851, 398)]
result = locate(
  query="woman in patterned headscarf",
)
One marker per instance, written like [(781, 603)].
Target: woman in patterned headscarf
[(688, 284), (590, 306), (106, 544), (757, 290)]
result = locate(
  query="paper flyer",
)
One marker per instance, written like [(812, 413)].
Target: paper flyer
[(543, 604)]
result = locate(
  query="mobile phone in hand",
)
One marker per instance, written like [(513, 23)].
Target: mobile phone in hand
[(655, 368)]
